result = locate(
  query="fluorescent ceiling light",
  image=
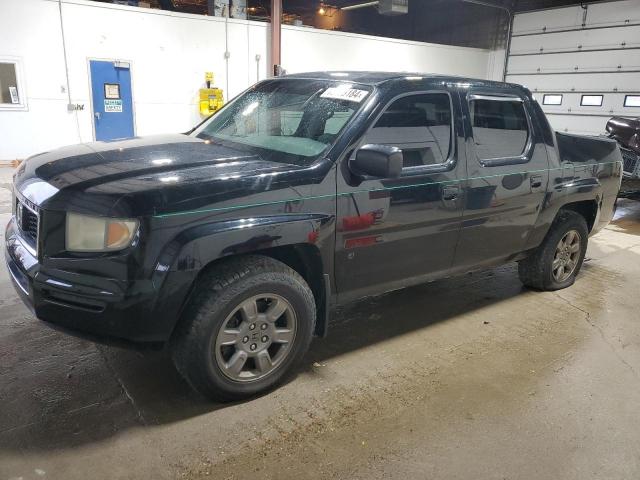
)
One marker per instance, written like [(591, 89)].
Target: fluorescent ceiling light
[(360, 5)]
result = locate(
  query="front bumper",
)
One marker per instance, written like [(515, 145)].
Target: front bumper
[(105, 309)]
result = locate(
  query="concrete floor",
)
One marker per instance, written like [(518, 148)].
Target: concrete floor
[(472, 377)]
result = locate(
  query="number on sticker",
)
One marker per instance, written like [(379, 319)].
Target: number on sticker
[(345, 93)]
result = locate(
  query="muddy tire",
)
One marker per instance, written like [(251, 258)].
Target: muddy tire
[(250, 320), (558, 260)]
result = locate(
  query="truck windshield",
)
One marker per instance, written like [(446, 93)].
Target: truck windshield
[(286, 120)]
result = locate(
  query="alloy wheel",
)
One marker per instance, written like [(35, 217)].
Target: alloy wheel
[(255, 338), (567, 256)]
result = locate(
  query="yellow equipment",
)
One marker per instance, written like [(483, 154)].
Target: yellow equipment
[(211, 98)]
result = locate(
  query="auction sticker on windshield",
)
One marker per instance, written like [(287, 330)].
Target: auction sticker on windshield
[(345, 93)]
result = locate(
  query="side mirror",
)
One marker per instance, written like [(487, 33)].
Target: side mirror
[(381, 161)]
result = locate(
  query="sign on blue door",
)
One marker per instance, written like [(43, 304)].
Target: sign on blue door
[(112, 102)]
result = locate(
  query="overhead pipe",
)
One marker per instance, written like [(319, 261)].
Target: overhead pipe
[(509, 30)]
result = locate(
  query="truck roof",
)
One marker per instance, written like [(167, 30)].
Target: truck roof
[(377, 78)]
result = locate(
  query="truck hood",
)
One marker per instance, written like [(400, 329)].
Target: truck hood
[(152, 170)]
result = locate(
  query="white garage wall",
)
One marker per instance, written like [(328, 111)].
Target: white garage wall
[(496, 65), (573, 51), (24, 26), (305, 50), (169, 53)]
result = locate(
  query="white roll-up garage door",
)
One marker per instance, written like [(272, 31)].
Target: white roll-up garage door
[(582, 63)]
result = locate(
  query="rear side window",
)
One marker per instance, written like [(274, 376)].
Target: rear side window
[(500, 128), (419, 125)]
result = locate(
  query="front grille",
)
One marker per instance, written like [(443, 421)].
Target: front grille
[(630, 160), (27, 220)]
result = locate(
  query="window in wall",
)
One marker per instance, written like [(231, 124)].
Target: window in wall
[(500, 128), (632, 101), (419, 125), (591, 101), (10, 90), (552, 100)]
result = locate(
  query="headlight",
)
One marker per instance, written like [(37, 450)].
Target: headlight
[(98, 234)]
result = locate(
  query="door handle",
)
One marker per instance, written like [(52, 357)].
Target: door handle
[(97, 115), (450, 193), (536, 181)]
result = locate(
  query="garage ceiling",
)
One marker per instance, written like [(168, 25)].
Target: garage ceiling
[(312, 6), (451, 22)]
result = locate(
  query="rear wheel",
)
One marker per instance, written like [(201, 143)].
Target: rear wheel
[(557, 261), (251, 319)]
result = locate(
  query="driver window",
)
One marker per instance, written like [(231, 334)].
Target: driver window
[(419, 125)]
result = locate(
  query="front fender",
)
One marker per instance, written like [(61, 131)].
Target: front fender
[(196, 247)]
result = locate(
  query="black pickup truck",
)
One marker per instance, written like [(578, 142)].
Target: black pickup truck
[(231, 243)]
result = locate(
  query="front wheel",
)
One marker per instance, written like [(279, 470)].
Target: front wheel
[(251, 319), (557, 262)]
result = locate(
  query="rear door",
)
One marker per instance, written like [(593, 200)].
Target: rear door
[(507, 175), (391, 231), (112, 101)]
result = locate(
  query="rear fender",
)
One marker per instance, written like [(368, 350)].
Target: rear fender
[(578, 182)]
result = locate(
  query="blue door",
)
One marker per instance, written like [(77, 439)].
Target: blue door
[(112, 103)]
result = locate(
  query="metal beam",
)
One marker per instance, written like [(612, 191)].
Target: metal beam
[(276, 36)]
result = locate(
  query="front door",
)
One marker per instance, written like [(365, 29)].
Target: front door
[(392, 232), (507, 176), (112, 103)]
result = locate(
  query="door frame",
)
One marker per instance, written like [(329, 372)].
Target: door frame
[(504, 166), (133, 103), (455, 162)]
